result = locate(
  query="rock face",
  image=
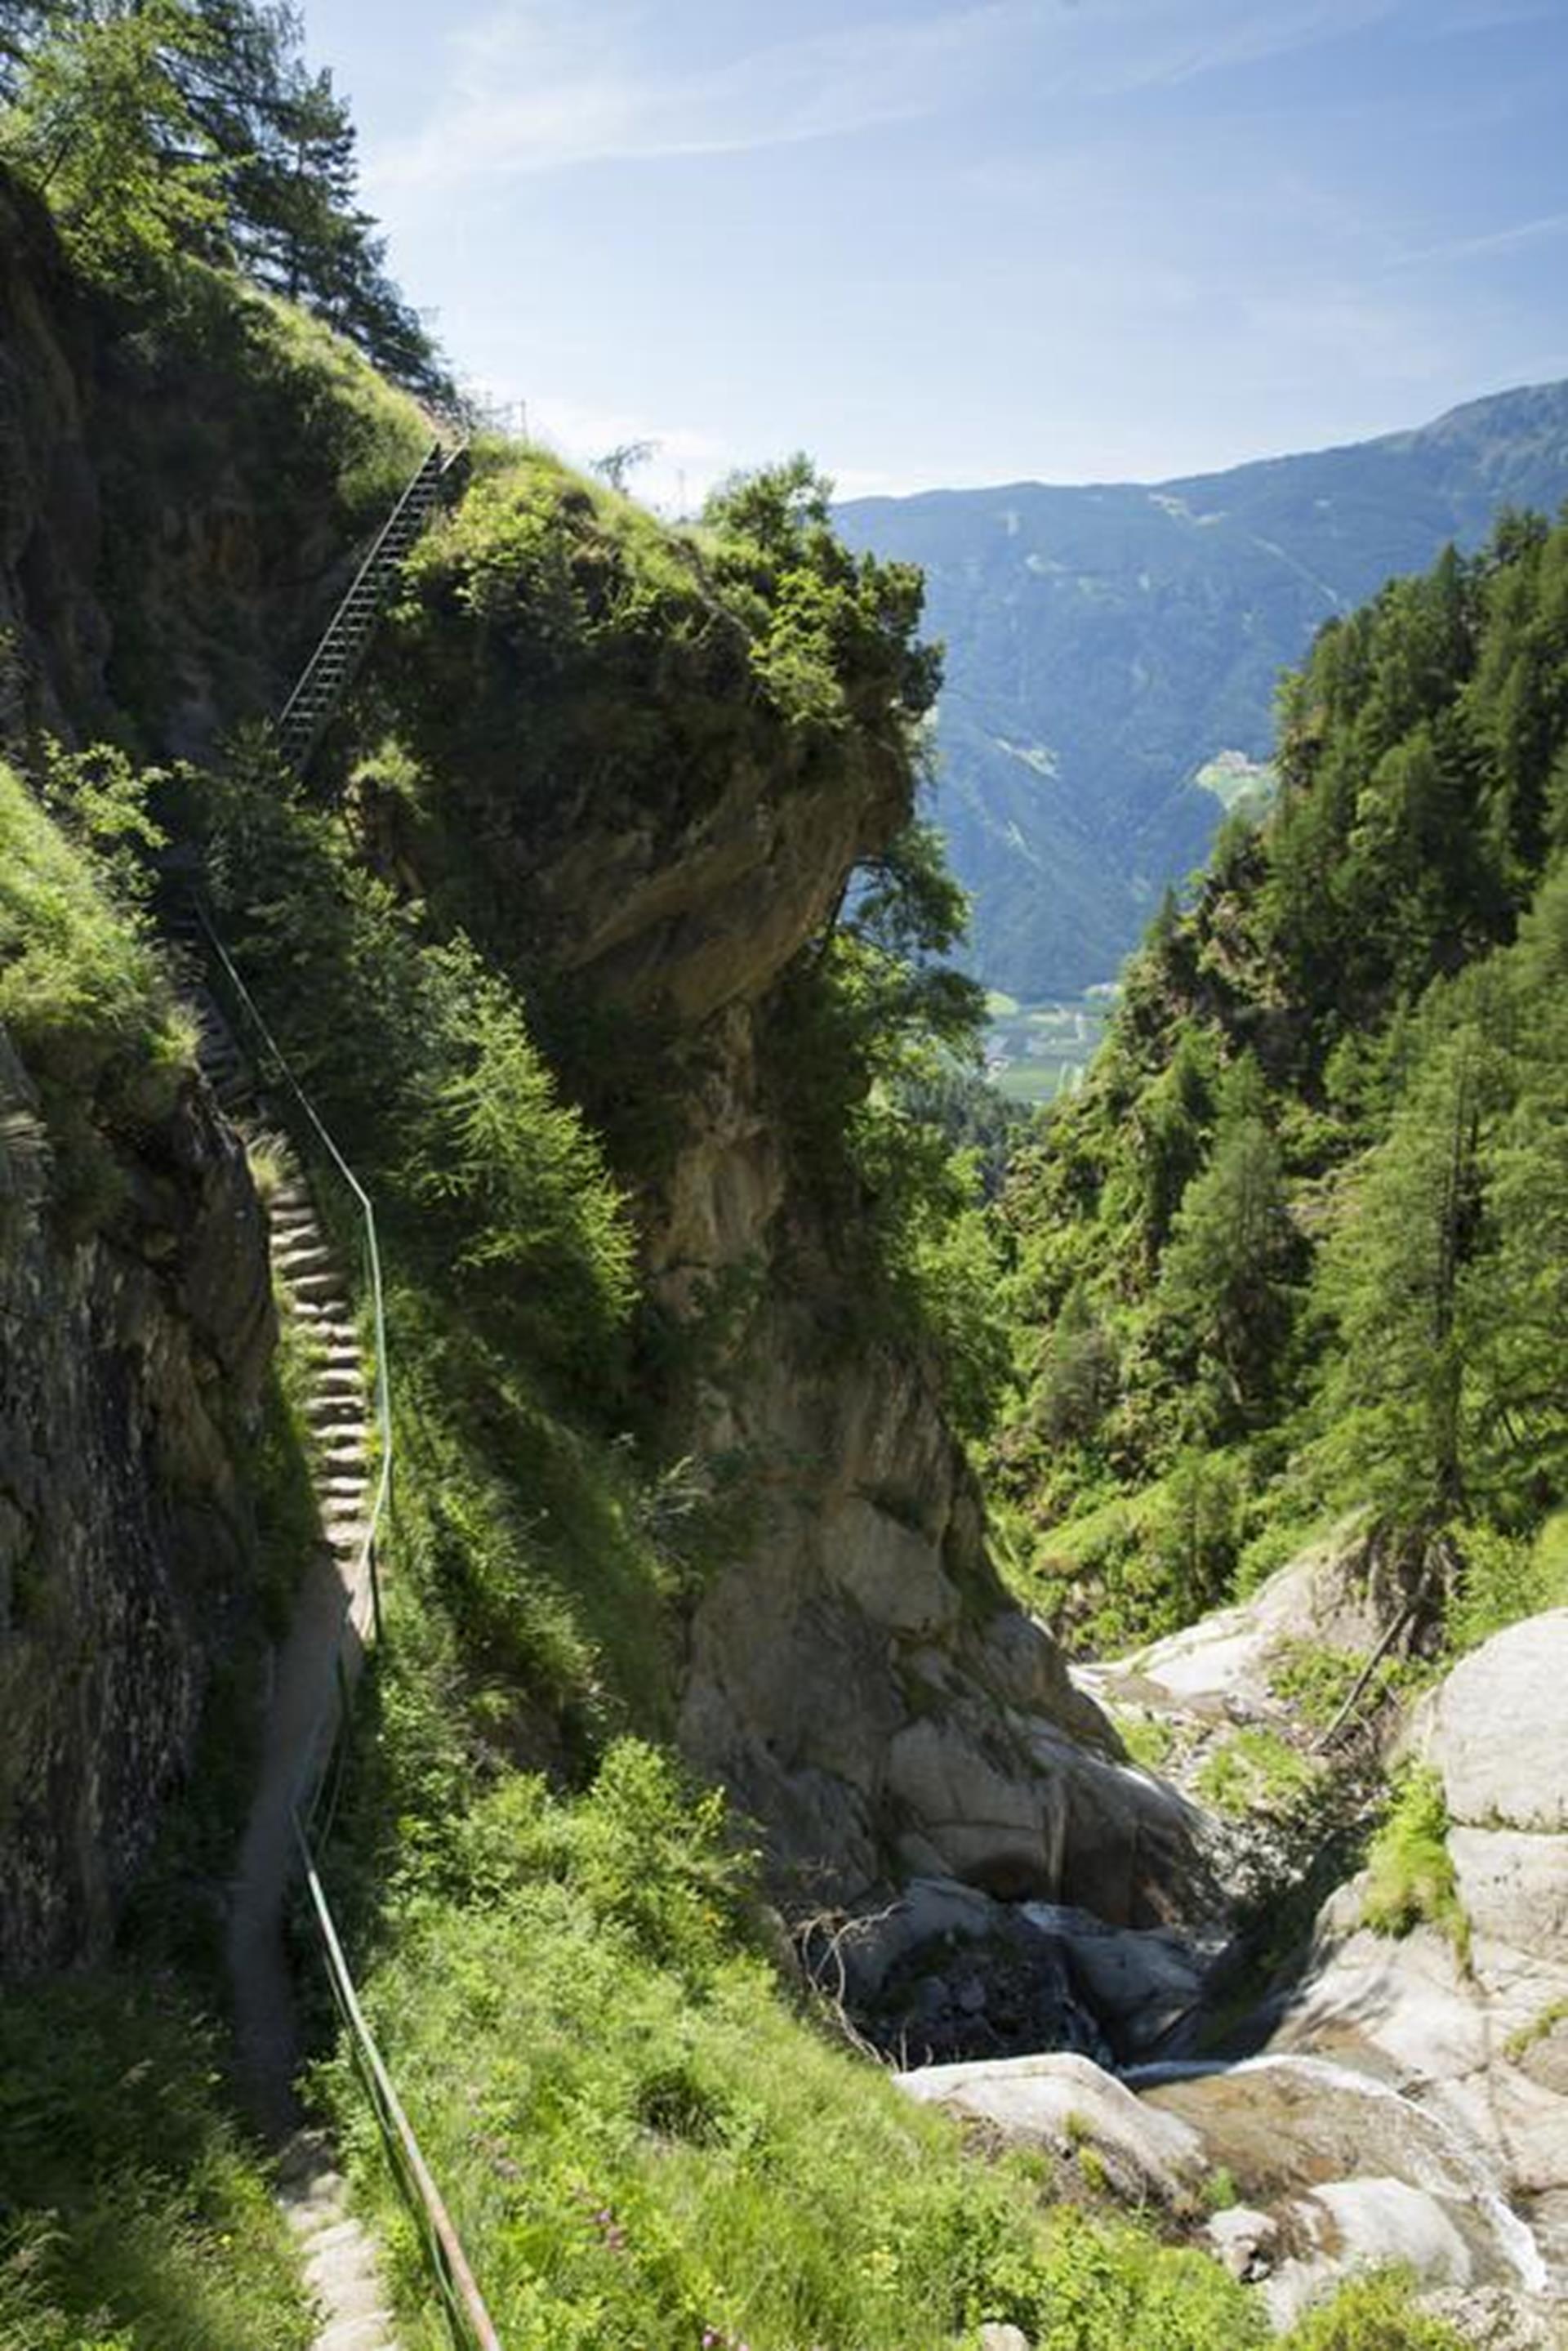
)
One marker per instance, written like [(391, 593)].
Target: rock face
[(856, 1675), (1480, 2041), (674, 848), (129, 1361), (173, 522)]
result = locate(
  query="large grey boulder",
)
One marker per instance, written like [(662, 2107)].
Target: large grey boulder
[(1498, 1729), (1364, 2223), (1069, 2102)]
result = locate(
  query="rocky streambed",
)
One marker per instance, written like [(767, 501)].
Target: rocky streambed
[(1383, 2097)]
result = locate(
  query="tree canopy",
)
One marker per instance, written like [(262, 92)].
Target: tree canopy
[(156, 128)]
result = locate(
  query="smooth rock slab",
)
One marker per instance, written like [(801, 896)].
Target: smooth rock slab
[(1364, 2223), (1498, 1729), (1067, 2102), (1513, 1887)]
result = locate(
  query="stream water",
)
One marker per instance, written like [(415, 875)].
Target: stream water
[(1514, 2237)]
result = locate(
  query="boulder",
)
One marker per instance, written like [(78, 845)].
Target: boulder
[(1364, 2223), (1498, 1729), (1068, 2102), (1141, 1983), (1245, 2239)]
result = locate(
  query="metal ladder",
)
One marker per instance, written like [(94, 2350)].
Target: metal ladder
[(331, 669)]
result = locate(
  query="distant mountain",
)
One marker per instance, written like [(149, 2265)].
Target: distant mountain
[(1106, 646)]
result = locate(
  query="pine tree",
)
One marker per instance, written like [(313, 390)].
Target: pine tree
[(102, 129), (1402, 1277), (1225, 1295), (159, 127)]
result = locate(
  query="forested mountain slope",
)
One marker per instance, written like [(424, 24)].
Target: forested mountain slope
[(1300, 1243), (1105, 644)]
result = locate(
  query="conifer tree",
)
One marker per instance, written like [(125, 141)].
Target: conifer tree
[(1225, 1282)]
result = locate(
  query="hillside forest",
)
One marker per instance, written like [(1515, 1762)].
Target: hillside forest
[(1297, 1247)]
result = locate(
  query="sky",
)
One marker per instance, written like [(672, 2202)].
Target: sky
[(937, 245)]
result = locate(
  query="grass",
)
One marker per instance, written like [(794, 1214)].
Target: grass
[(645, 2144), (1254, 1771), (84, 1004), (137, 2219), (1539, 2028), (1147, 1738), (1376, 2312), (1410, 1871)]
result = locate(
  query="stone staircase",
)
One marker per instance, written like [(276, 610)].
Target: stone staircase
[(339, 2256), (334, 1615)]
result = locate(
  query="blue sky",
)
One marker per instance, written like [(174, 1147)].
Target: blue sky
[(935, 245)]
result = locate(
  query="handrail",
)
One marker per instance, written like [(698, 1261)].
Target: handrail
[(468, 2320), (465, 2312), (436, 450)]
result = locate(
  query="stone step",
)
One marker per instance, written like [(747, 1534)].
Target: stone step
[(314, 1280), (316, 2203), (353, 2294), (357, 2334), (326, 1316), (333, 2236)]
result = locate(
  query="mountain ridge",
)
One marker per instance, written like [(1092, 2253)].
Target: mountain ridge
[(1105, 642)]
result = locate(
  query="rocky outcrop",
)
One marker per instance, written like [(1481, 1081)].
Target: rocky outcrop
[(620, 799), (858, 1678), (1409, 2102), (1479, 2037), (130, 1362)]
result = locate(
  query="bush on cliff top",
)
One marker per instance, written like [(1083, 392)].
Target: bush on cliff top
[(83, 1003)]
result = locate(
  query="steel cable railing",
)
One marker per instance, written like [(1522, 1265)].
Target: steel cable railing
[(320, 1771)]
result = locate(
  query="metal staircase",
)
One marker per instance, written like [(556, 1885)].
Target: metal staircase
[(330, 671)]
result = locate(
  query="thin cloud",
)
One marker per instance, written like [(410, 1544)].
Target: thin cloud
[(1493, 241), (530, 92), (536, 88)]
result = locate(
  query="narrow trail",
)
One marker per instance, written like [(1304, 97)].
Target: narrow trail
[(327, 1632)]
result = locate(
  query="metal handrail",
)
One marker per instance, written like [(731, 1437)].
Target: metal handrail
[(466, 2312), (468, 2320)]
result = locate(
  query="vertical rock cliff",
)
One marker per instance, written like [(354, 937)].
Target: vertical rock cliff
[(130, 1362)]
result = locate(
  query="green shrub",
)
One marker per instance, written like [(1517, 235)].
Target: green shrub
[(1255, 1770), (1377, 2312), (84, 1004), (1504, 1577), (1410, 1871)]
